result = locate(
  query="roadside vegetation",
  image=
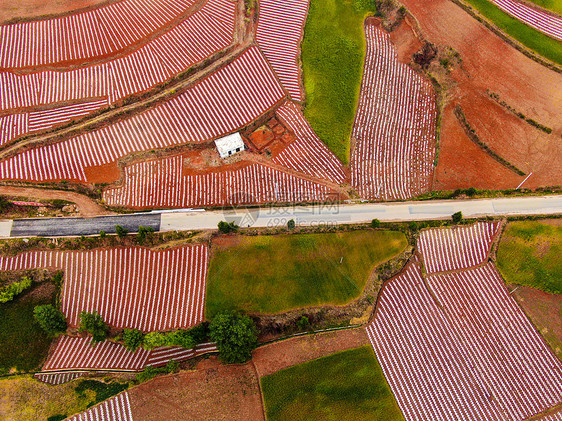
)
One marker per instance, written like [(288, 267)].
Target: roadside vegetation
[(26, 399), (333, 51), (531, 38), (529, 254), (271, 274), (347, 385)]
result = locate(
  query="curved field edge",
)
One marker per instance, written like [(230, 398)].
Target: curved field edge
[(552, 5), (346, 385), (333, 51), (529, 254), (529, 37), (274, 274)]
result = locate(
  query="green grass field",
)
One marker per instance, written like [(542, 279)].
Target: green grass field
[(533, 39), (529, 254), (270, 274), (554, 5), (23, 343), (348, 385), (333, 51)]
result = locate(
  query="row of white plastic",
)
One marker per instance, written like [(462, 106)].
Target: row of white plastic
[(548, 23), (394, 129)]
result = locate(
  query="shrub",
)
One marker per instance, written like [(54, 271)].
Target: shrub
[(50, 319), (291, 224), (413, 226), (132, 339), (375, 223), (10, 291), (471, 191), (236, 336), (457, 217), (93, 324), (102, 234), (227, 227), (181, 337), (4, 204), (303, 323), (154, 339), (121, 232)]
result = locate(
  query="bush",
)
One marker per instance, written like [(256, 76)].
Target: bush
[(471, 191), (151, 372), (154, 340), (4, 204), (181, 337), (227, 227), (93, 324), (375, 223), (457, 217), (291, 224), (10, 291), (236, 336), (102, 234), (132, 339), (121, 232), (50, 319), (413, 226), (303, 323)]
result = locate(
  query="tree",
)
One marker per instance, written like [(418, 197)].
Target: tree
[(154, 339), (121, 232), (375, 223), (291, 224), (93, 324), (9, 292), (457, 217), (50, 319), (236, 336), (227, 227), (132, 339)]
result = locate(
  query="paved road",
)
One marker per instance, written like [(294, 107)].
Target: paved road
[(275, 216)]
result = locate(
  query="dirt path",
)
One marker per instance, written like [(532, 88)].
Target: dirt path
[(86, 206), (276, 356)]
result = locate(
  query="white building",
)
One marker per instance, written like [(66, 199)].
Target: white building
[(229, 145)]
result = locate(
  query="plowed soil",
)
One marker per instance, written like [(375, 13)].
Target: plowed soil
[(10, 9), (489, 63), (211, 392)]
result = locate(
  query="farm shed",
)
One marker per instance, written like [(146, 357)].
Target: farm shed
[(229, 145)]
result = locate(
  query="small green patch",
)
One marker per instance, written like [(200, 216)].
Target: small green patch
[(347, 385), (23, 343), (333, 50), (271, 274), (101, 391), (529, 254), (531, 38)]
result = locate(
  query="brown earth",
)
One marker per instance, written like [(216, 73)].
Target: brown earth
[(10, 9), (213, 391), (545, 311), (276, 356), (489, 63), (86, 206)]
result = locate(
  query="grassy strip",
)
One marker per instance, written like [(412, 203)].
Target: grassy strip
[(519, 114), (552, 5), (529, 254), (531, 38), (474, 137), (347, 385), (271, 274), (333, 51)]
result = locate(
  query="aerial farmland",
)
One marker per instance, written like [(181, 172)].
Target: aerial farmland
[(280, 210)]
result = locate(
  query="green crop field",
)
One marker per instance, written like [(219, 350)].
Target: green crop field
[(270, 274), (23, 343), (348, 385), (553, 5), (333, 50), (529, 254), (533, 39)]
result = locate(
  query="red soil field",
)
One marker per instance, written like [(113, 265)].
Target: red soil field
[(489, 63), (10, 9)]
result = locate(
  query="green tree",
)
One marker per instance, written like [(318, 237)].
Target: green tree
[(227, 227), (132, 339), (154, 339), (375, 223), (50, 319), (10, 291), (457, 217), (93, 323), (121, 232), (291, 224), (236, 336)]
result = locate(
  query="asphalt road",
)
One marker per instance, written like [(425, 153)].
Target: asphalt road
[(279, 216)]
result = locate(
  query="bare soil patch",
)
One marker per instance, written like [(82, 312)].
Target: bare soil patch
[(489, 63), (545, 311), (10, 9), (85, 205), (276, 356), (213, 391)]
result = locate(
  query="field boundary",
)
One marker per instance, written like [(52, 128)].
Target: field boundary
[(507, 38)]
